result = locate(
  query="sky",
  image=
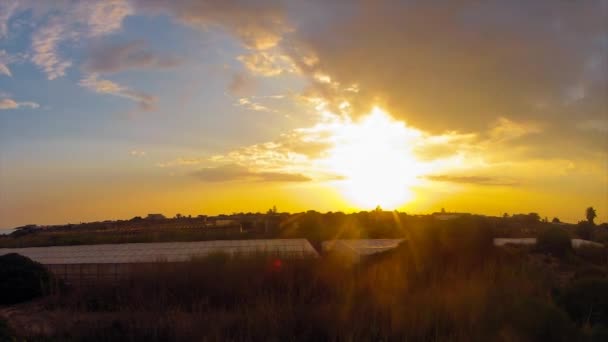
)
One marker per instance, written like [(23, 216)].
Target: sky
[(113, 109)]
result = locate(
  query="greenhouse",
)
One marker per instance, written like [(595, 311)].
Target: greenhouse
[(360, 248), (94, 262)]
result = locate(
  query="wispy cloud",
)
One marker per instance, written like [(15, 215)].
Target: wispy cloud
[(476, 180), (267, 63), (137, 153), (597, 125), (7, 8), (7, 103), (4, 70), (102, 86), (125, 56), (105, 16), (506, 129), (181, 162), (233, 172), (72, 22), (259, 25), (254, 106), (45, 47), (241, 84)]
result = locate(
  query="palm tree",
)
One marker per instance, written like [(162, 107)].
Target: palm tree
[(591, 215)]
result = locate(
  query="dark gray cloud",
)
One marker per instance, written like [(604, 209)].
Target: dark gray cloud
[(478, 180), (127, 55), (461, 65), (233, 172)]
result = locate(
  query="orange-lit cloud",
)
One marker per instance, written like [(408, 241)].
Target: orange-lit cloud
[(102, 86)]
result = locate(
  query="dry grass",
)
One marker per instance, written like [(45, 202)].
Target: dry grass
[(406, 294)]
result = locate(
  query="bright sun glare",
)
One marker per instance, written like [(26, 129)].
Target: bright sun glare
[(374, 157)]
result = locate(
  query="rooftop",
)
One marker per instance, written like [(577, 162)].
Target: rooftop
[(161, 251)]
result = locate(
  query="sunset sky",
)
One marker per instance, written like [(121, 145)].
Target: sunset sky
[(112, 109)]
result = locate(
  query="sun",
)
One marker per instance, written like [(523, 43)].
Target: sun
[(374, 158)]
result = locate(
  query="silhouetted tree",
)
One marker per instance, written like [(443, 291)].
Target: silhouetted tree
[(556, 220), (532, 218), (591, 215)]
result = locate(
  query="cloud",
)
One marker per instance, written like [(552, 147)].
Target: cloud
[(137, 153), (241, 84), (105, 16), (6, 59), (45, 46), (460, 67), (181, 162), (124, 56), (506, 129), (598, 125), (72, 22), (94, 83), (267, 63), (476, 180), (254, 106), (234, 172), (4, 70), (7, 103), (259, 25), (7, 9)]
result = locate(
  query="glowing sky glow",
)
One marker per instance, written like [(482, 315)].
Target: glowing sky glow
[(117, 108)]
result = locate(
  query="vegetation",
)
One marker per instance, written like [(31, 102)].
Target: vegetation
[(446, 283), (311, 225), (591, 215), (22, 279), (554, 241), (6, 333)]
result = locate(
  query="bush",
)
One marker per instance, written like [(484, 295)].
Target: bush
[(593, 254), (21, 279), (531, 319), (554, 241), (584, 230), (599, 333), (6, 333), (586, 300), (590, 271)]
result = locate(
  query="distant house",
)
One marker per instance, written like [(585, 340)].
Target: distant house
[(446, 216), (155, 217)]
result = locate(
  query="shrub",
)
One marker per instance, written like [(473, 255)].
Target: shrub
[(599, 333), (590, 271), (22, 279), (530, 319), (6, 333), (554, 241), (593, 254), (584, 230), (586, 300)]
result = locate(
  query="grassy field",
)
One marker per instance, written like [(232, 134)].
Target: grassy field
[(445, 284)]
